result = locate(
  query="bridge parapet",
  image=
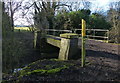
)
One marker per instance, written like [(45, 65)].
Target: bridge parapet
[(53, 40)]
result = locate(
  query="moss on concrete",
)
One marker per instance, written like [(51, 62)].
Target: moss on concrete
[(69, 35)]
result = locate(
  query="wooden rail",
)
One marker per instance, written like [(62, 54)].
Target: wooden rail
[(55, 30), (95, 30), (88, 36)]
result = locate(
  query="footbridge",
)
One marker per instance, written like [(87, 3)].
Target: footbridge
[(69, 41)]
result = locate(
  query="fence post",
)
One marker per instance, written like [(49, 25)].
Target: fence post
[(94, 34), (83, 43), (108, 36), (35, 39)]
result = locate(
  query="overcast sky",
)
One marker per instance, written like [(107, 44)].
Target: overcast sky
[(96, 5)]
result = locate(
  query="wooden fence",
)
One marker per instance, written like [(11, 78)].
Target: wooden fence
[(93, 35)]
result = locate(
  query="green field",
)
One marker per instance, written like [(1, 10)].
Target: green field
[(22, 29)]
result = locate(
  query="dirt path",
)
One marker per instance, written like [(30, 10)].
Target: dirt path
[(96, 45), (106, 65)]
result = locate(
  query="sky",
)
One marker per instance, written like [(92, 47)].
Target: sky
[(97, 5), (100, 4)]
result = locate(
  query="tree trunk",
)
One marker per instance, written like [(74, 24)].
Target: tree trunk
[(11, 15)]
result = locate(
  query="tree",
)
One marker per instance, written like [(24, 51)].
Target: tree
[(78, 5), (6, 22), (86, 4), (113, 18), (45, 13), (6, 34), (11, 48), (12, 7), (0, 41), (97, 21), (71, 20)]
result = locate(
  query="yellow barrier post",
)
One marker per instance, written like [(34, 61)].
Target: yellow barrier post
[(83, 43)]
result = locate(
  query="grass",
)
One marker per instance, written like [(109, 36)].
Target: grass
[(16, 29), (47, 69), (42, 71), (21, 28)]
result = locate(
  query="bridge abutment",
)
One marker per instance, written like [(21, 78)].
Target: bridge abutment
[(69, 46)]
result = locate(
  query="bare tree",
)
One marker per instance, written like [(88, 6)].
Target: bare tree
[(114, 18), (12, 7), (86, 4), (45, 12)]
